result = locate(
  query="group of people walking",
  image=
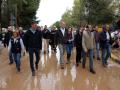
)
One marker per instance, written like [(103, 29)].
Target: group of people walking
[(86, 40)]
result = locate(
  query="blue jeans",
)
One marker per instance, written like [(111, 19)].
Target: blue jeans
[(98, 49), (17, 57), (90, 51), (106, 53), (69, 48), (31, 56)]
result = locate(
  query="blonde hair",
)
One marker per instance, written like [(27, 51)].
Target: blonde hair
[(16, 31)]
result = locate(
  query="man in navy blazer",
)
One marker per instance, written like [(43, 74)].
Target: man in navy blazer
[(33, 44)]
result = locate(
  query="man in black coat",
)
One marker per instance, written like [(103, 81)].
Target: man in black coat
[(61, 40), (53, 40), (105, 43), (33, 44), (46, 36), (8, 36)]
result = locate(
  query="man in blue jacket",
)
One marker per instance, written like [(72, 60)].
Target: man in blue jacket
[(105, 43), (33, 44)]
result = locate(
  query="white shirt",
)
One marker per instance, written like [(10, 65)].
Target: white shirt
[(108, 36), (63, 31), (21, 43)]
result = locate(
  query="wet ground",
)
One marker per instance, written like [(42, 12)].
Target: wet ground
[(51, 77), (116, 54)]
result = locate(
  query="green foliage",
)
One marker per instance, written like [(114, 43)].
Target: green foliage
[(99, 11), (57, 24), (116, 6), (90, 12), (24, 10), (67, 17)]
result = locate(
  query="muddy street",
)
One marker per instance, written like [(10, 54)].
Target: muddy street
[(50, 77)]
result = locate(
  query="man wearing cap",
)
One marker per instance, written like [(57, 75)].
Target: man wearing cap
[(33, 44)]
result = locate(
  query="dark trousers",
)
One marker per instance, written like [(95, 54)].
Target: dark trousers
[(31, 56), (78, 55)]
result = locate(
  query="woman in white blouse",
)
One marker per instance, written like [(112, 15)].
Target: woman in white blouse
[(16, 46)]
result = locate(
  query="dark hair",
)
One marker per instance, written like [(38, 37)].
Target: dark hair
[(34, 22), (87, 26), (77, 31), (94, 26)]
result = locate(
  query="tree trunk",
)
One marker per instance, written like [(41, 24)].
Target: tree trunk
[(0, 13)]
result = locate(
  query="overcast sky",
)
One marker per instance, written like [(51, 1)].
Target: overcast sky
[(51, 11)]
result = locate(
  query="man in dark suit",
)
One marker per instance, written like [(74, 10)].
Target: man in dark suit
[(33, 44), (46, 36), (61, 40), (53, 36)]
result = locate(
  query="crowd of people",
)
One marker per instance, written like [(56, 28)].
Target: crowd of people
[(87, 40)]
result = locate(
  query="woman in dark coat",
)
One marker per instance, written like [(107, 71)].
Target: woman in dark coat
[(78, 44)]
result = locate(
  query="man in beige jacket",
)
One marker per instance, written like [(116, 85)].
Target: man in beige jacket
[(88, 44)]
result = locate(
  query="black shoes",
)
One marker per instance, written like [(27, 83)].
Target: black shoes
[(92, 71), (98, 58), (62, 66), (83, 66), (33, 73), (104, 65), (10, 63), (77, 64), (36, 66), (68, 62), (18, 69)]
